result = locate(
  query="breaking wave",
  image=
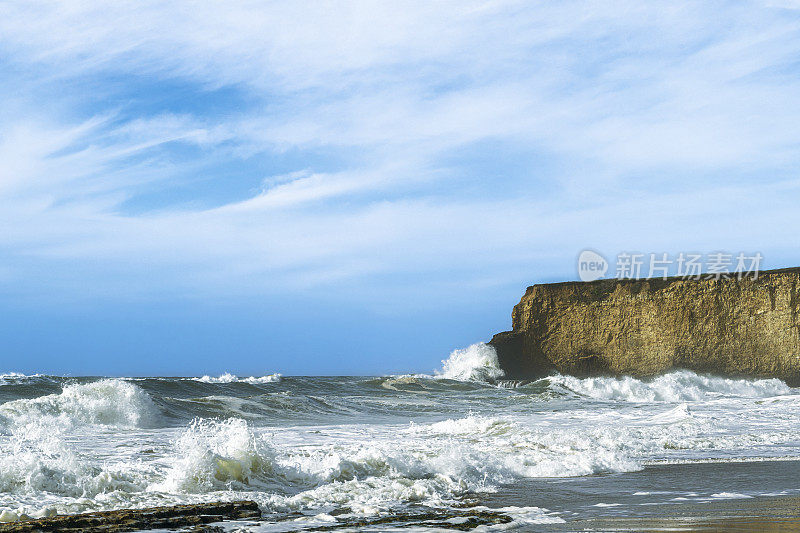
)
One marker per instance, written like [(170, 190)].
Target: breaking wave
[(38, 458), (329, 448), (432, 464), (37, 453), (477, 362), (678, 386), (11, 377), (213, 455), (231, 378), (110, 402)]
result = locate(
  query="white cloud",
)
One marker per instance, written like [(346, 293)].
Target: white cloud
[(651, 126)]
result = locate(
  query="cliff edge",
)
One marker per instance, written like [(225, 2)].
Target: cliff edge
[(730, 327)]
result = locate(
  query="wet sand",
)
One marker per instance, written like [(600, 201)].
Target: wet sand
[(767, 514), (736, 497)]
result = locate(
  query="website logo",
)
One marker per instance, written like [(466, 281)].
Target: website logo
[(686, 265), (591, 266)]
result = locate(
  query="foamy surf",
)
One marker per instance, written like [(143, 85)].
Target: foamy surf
[(385, 451), (214, 455), (12, 377), (232, 378), (432, 464), (110, 402), (677, 386)]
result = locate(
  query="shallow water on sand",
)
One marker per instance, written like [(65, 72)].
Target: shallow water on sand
[(662, 494), (457, 449)]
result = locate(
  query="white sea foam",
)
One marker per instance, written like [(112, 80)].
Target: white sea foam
[(503, 450), (7, 378), (90, 447), (12, 375), (477, 362), (431, 464), (213, 455), (224, 378), (38, 458), (521, 517), (271, 378), (678, 414), (232, 378), (366, 469), (678, 386), (111, 402)]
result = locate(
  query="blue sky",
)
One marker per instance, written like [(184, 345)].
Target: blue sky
[(361, 187)]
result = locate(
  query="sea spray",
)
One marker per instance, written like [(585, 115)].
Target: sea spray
[(678, 386), (477, 362), (111, 402), (432, 463), (14, 377), (213, 455), (232, 378), (39, 455), (349, 449)]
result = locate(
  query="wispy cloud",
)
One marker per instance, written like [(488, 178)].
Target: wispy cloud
[(284, 146)]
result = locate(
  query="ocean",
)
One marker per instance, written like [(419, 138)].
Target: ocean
[(461, 448)]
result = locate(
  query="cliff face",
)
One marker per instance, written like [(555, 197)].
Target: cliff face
[(645, 327)]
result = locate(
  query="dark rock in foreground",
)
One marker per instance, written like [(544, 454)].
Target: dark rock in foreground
[(138, 519), (729, 327)]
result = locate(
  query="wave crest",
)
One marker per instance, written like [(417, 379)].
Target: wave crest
[(111, 402), (214, 455), (40, 459), (11, 377), (678, 386), (477, 362), (232, 378)]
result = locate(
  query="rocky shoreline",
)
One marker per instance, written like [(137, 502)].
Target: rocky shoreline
[(175, 516), (731, 327)]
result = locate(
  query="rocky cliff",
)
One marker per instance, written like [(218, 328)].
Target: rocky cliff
[(645, 327)]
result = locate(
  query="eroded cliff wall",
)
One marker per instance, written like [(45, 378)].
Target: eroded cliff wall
[(645, 327)]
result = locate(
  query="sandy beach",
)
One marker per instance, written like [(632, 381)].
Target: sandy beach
[(741, 496)]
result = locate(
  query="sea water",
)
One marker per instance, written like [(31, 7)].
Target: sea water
[(420, 452)]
